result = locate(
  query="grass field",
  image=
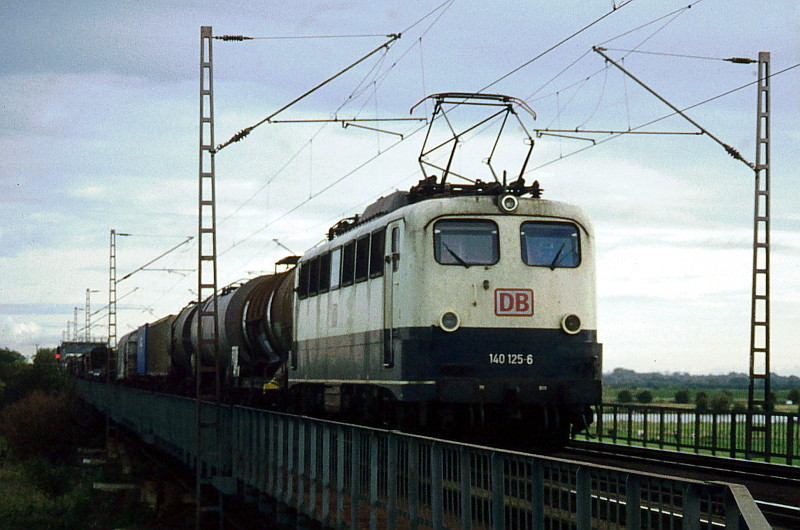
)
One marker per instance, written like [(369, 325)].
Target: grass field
[(664, 424)]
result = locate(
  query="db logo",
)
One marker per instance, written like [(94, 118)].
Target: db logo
[(513, 302)]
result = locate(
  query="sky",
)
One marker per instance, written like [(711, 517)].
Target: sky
[(99, 130)]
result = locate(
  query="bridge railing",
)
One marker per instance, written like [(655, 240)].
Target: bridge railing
[(716, 433), (302, 469)]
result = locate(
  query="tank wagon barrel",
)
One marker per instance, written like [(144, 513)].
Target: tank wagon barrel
[(255, 321), (182, 348)]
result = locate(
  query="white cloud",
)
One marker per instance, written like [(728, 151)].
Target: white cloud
[(16, 334)]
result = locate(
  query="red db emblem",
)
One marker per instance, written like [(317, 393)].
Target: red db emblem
[(513, 302)]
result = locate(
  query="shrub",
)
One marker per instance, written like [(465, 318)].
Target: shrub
[(41, 425), (52, 479), (721, 401), (701, 401), (624, 396), (645, 396), (794, 396), (682, 396)]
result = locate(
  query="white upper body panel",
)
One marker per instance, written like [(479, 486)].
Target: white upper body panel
[(490, 295)]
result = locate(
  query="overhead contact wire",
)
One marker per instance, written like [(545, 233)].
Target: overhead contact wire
[(320, 192), (739, 60), (637, 28), (316, 37), (244, 132), (553, 47), (728, 148), (673, 14), (440, 6), (379, 78), (698, 104)]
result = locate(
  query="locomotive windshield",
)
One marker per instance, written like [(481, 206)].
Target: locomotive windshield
[(466, 242), (550, 244)]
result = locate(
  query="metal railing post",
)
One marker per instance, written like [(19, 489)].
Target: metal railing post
[(374, 464), (633, 502), (413, 482), (436, 486), (691, 508), (339, 476), (355, 480), (583, 502), (466, 489), (498, 492), (392, 481)]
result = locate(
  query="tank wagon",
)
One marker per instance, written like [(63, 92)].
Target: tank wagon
[(254, 339)]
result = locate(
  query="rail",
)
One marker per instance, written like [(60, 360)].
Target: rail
[(301, 469), (687, 430)]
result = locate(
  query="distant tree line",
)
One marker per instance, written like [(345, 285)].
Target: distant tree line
[(622, 377), (718, 401)]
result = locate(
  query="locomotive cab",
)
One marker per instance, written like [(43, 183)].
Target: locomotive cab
[(510, 302)]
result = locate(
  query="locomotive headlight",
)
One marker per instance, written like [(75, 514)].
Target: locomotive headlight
[(571, 324), (508, 203), (449, 321)]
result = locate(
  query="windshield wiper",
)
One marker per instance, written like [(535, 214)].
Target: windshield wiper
[(558, 255), (458, 258)]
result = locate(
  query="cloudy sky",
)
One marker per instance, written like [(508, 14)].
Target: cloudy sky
[(99, 131)]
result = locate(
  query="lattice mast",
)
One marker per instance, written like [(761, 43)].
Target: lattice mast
[(759, 391), (207, 371), (112, 292), (75, 323)]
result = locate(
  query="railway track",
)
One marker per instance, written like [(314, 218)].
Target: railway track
[(775, 487)]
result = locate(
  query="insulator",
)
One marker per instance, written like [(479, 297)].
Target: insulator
[(233, 37), (733, 152), (241, 134), (741, 60)]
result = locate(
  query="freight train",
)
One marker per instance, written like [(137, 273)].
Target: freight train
[(466, 308), (460, 308)]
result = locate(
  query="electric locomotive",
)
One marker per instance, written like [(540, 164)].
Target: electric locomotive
[(463, 307)]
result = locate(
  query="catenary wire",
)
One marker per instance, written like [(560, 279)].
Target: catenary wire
[(553, 47), (320, 192), (637, 28), (685, 56), (353, 95), (617, 135), (447, 3)]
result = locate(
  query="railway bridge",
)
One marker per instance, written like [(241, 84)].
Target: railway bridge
[(301, 470)]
